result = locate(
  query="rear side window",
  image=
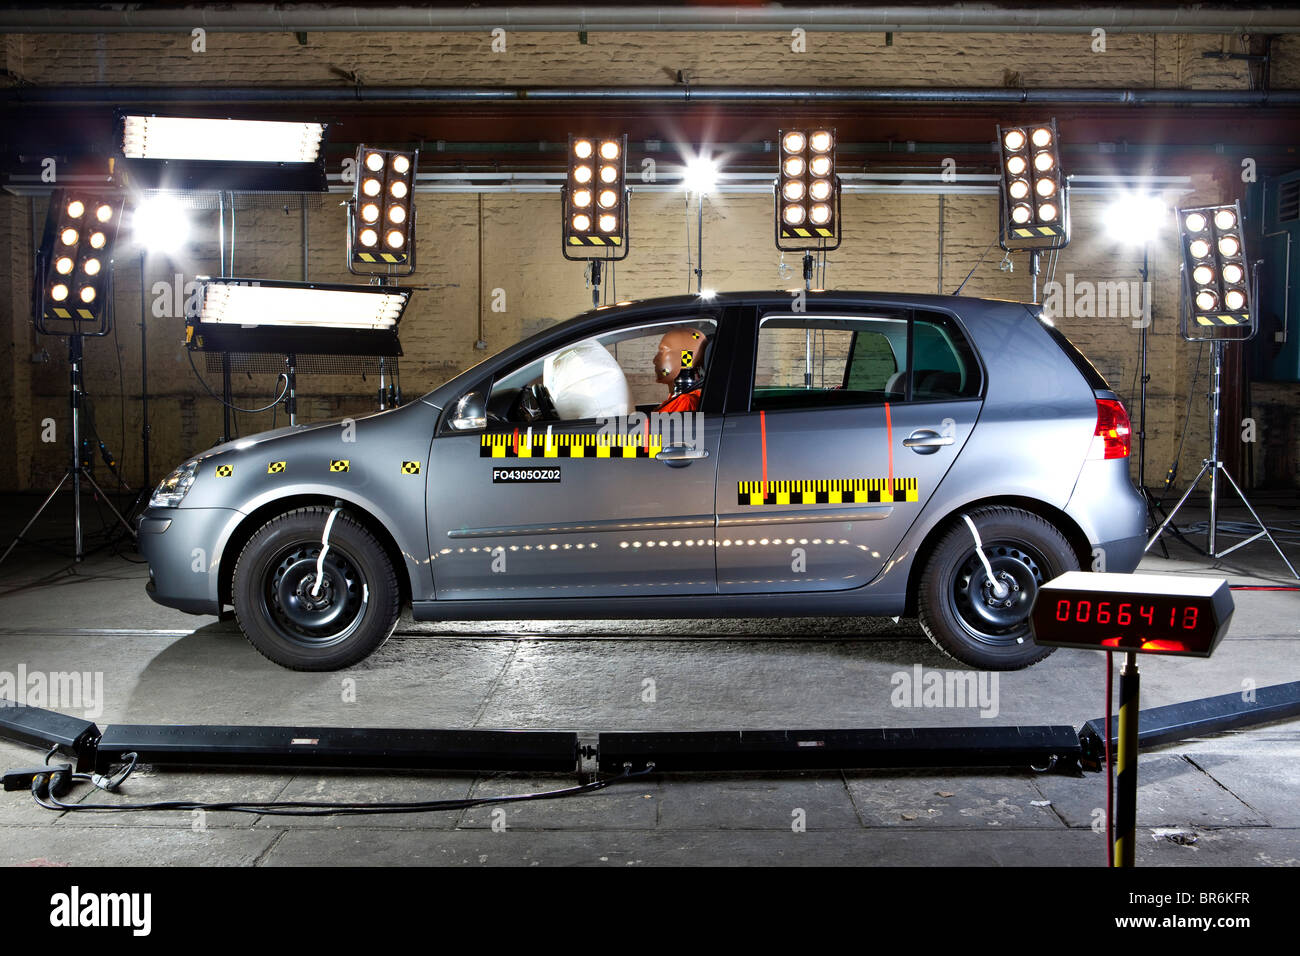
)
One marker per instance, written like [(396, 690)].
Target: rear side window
[(811, 361), (1096, 381)]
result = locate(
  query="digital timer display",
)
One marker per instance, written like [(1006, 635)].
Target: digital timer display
[(1151, 614)]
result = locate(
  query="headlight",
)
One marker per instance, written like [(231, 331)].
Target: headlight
[(174, 487)]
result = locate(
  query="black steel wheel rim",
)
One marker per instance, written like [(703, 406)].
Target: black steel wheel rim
[(300, 612), (990, 618)]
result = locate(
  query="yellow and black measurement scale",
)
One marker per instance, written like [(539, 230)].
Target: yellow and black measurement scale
[(541, 445), (827, 491)]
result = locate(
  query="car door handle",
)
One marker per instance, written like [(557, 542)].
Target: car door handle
[(678, 456), (924, 441)]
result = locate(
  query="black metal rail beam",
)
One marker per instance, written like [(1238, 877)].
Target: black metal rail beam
[(1196, 718), (891, 748)]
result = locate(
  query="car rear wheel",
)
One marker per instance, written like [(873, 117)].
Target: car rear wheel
[(969, 618), (298, 624)]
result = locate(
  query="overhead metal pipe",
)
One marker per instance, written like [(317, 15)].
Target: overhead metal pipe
[(899, 95), (949, 18)]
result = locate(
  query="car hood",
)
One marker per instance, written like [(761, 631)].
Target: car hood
[(261, 438), (287, 433)]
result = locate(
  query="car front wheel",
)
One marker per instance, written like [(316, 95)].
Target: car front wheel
[(313, 612), (973, 619)]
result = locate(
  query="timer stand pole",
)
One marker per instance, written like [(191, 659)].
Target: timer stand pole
[(1127, 763), (1214, 465)]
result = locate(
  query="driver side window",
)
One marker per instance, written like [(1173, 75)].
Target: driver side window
[(614, 374)]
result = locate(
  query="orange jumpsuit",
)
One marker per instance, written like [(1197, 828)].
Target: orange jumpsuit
[(685, 402)]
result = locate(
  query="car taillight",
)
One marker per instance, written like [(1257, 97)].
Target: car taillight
[(1112, 437)]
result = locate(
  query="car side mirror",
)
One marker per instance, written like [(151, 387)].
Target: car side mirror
[(470, 414)]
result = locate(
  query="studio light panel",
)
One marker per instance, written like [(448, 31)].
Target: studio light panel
[(220, 140), (1036, 206), (77, 251), (383, 211), (595, 206), (213, 153), (251, 302), (807, 191), (1215, 267)]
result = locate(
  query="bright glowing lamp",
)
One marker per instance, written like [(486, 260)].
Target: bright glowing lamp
[(159, 224)]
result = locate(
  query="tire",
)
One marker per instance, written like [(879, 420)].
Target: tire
[(959, 612), (354, 611)]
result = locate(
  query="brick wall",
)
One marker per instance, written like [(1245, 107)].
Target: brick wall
[(748, 58), (892, 242)]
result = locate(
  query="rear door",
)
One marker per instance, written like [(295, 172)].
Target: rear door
[(849, 422)]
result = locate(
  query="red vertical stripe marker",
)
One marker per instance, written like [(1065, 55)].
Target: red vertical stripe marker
[(516, 442), (889, 439), (762, 428)]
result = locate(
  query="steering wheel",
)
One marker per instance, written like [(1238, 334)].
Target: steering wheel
[(534, 405)]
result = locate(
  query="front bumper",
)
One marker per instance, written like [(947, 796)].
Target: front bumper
[(183, 548)]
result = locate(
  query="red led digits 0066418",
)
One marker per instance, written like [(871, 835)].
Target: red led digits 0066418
[(1126, 613)]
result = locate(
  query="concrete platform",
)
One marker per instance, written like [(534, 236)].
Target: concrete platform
[(1226, 800)]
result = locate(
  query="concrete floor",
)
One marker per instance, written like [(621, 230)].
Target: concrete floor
[(1226, 800)]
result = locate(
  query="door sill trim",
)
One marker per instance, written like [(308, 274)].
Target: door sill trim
[(765, 517)]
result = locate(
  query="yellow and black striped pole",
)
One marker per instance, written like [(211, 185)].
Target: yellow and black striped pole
[(1126, 776)]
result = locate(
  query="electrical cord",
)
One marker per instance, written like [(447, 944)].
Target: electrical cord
[(690, 265), (1172, 474), (980, 262), (47, 800), (1242, 529), (252, 411), (121, 386)]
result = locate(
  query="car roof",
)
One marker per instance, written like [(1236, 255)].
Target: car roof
[(960, 304)]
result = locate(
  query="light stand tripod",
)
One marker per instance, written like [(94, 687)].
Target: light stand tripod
[(1213, 465), (76, 470)]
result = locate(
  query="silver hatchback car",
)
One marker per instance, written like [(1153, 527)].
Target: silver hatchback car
[(744, 455)]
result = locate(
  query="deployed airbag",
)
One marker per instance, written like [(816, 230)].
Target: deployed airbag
[(585, 381)]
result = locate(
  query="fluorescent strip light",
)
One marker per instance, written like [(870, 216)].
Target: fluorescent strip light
[(265, 305), (220, 140)]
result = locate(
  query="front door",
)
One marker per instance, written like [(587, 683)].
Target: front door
[(576, 487), (853, 420)]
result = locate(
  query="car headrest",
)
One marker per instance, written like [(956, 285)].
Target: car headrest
[(932, 382)]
